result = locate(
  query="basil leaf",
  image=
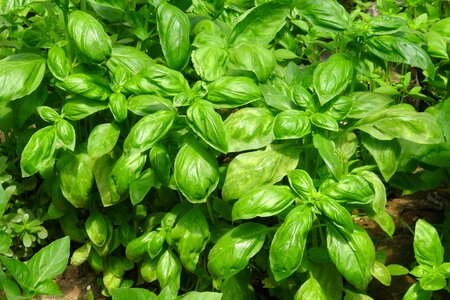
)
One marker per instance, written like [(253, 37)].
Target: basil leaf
[(400, 50), (327, 15), (58, 63), (47, 114), (102, 139), (38, 151), (332, 77), (137, 247), (328, 277), (208, 124), (118, 107), (310, 289), (191, 235), (232, 252), (173, 28), (75, 174), (147, 131), (365, 103), (143, 105), (338, 108), (263, 201), (169, 271), (128, 58), (196, 172), (253, 58), (291, 124), (65, 134), (428, 249), (353, 254), (237, 287), (229, 92), (49, 261), (202, 296), (302, 184), (397, 270), (141, 186), (18, 270), (110, 10), (350, 189), (210, 62), (9, 6), (161, 163), (385, 153), (278, 94), (155, 243), (327, 150), (258, 168), (324, 121), (261, 24), (415, 292), (433, 282), (132, 293), (335, 214), (289, 242), (385, 24), (148, 269), (249, 128), (89, 36), (20, 74), (125, 171), (380, 272), (402, 121), (79, 108), (97, 228), (80, 255), (88, 86)]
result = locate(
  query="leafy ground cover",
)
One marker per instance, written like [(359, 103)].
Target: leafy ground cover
[(220, 149)]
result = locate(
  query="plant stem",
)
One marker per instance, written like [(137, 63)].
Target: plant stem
[(210, 211)]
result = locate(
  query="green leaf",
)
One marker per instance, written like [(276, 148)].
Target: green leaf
[(385, 153), (432, 282), (20, 74), (48, 114), (415, 292), (249, 128), (155, 243), (169, 271), (385, 24), (79, 108), (208, 124), (327, 15), (261, 24), (328, 277), (381, 272), (65, 134), (351, 189), (278, 94), (253, 58), (402, 121), (324, 121), (134, 293), (379, 200), (385, 221), (263, 201), (327, 150), (196, 172), (129, 58), (18, 270), (109, 10), (397, 270), (191, 235), (118, 107), (173, 28), (302, 184), (88, 86), (233, 91), (258, 168), (232, 252), (332, 76), (291, 124), (202, 296), (102, 139), (148, 130), (138, 247), (9, 6), (81, 255), (141, 186), (353, 254), (289, 242), (58, 63), (237, 287), (125, 171), (338, 108), (400, 50), (48, 287), (210, 62), (143, 105), (335, 214), (76, 178), (366, 103), (161, 163), (428, 249), (38, 151), (89, 36), (97, 228), (3, 200), (350, 295), (49, 262), (148, 269), (310, 289)]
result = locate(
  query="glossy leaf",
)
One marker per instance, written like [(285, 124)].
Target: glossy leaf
[(194, 295), (174, 28), (85, 85), (428, 249), (89, 36), (301, 183), (350, 189), (191, 235), (161, 163), (65, 134), (118, 107), (415, 292), (336, 214), (109, 10), (38, 151), (261, 24), (138, 247), (134, 293), (365, 103), (58, 63), (327, 150), (324, 121), (129, 58), (141, 186), (147, 131), (339, 108), (143, 105), (102, 139), (208, 124), (402, 121), (310, 289), (169, 271), (9, 6), (380, 272), (263, 201), (232, 252), (20, 74), (81, 255), (76, 178), (291, 124), (47, 114), (125, 171), (332, 77), (249, 128), (258, 168), (353, 254), (253, 58), (289, 242), (228, 92), (80, 108), (328, 15), (196, 172)]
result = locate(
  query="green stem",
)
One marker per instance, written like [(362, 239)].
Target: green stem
[(210, 211)]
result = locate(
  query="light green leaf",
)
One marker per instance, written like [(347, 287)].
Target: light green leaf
[(366, 103), (381, 272), (253, 58), (202, 296), (79, 108), (327, 150), (102, 139), (301, 183), (65, 135), (397, 270), (428, 249), (327, 15), (169, 271), (143, 105), (229, 92), (38, 151), (8, 6), (141, 186), (291, 124), (415, 292), (310, 289), (134, 293)]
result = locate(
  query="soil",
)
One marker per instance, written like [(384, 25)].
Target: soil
[(76, 281)]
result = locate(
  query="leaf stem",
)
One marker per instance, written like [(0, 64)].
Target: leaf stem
[(210, 211)]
